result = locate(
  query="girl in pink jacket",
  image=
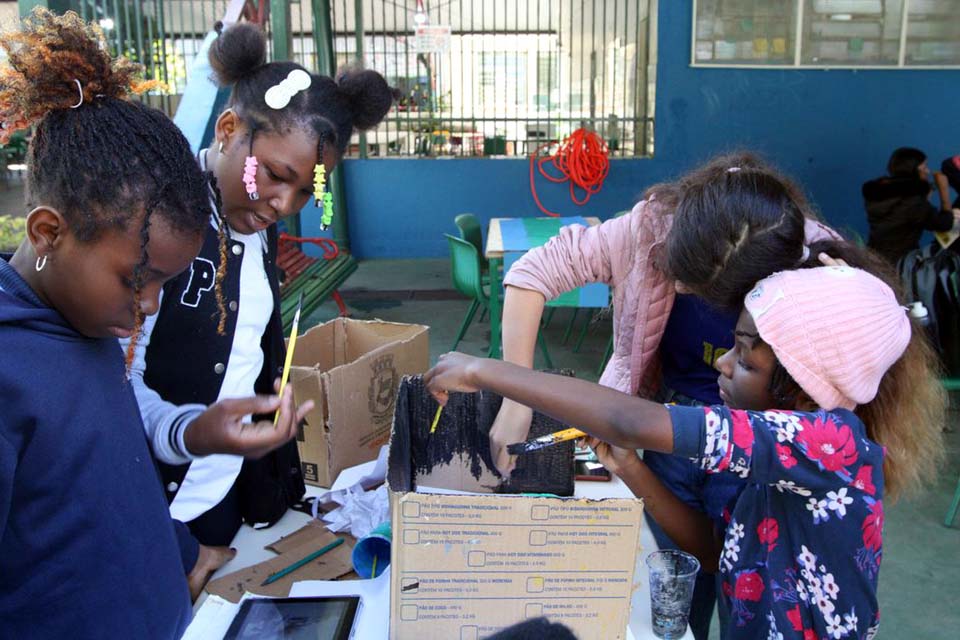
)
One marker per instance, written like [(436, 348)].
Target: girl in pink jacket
[(713, 230)]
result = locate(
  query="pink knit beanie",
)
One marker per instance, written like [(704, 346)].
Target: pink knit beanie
[(836, 330)]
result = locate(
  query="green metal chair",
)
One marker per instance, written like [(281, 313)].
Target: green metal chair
[(465, 272)]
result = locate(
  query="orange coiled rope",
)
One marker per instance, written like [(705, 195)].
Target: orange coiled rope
[(583, 159)]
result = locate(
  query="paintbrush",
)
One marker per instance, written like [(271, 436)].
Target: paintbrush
[(436, 419), (535, 444), (289, 360)]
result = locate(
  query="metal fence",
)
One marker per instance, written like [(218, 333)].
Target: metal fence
[(162, 35), (476, 77), (497, 77)]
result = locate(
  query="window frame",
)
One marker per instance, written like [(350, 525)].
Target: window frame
[(798, 44)]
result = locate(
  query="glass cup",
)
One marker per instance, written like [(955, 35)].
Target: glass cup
[(672, 576)]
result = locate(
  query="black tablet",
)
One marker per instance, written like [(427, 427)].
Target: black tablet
[(295, 619)]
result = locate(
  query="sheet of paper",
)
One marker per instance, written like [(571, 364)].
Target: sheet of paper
[(373, 619), (213, 618), (329, 566), (366, 475)]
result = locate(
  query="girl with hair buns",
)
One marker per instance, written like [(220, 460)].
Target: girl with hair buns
[(217, 339), (117, 207)]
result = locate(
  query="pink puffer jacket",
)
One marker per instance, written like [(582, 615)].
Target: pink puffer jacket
[(623, 253)]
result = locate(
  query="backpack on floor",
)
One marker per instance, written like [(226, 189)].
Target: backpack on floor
[(930, 276)]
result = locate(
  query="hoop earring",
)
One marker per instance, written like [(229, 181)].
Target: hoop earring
[(41, 263)]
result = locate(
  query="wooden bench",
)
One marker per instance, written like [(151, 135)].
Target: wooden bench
[(317, 278)]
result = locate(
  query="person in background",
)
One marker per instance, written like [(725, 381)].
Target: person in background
[(898, 205)]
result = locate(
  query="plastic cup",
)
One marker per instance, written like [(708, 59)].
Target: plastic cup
[(672, 576), (374, 546)]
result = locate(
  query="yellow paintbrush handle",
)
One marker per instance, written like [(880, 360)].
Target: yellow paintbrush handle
[(287, 361), (563, 436)]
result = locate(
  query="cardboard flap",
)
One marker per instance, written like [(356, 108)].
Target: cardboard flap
[(352, 369), (329, 566)]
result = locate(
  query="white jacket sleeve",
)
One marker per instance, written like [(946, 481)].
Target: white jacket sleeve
[(164, 422)]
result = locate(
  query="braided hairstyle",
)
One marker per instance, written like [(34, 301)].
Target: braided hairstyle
[(736, 221), (96, 157)]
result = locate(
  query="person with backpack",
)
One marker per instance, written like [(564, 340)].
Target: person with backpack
[(898, 206)]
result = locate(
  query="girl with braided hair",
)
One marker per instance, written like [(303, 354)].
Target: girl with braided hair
[(679, 265), (117, 207), (218, 335)]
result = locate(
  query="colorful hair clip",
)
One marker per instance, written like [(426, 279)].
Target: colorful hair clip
[(319, 183), (327, 217), (250, 177)]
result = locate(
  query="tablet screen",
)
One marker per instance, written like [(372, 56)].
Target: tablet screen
[(294, 619)]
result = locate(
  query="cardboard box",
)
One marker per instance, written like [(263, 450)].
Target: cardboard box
[(351, 370), (466, 565)]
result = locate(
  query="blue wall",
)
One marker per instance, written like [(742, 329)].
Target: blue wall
[(831, 130)]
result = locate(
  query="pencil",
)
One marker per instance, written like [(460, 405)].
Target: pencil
[(273, 577), (289, 359), (436, 419), (535, 444)]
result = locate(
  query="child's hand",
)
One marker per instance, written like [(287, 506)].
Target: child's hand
[(616, 459), (220, 429), (828, 261), (208, 561), (511, 425), (453, 372)]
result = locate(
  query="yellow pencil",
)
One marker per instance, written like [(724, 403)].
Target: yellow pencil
[(436, 419), (289, 359)]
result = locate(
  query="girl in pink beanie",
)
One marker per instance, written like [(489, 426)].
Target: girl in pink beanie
[(830, 404)]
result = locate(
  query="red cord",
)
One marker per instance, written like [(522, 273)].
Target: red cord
[(330, 248), (583, 159)]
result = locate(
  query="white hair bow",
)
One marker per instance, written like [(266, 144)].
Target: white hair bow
[(278, 96)]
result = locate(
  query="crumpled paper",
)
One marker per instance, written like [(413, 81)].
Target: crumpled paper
[(359, 511)]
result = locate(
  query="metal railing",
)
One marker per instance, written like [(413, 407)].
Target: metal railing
[(509, 77), (162, 35)]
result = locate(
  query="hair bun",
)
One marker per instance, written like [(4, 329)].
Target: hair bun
[(56, 62), (238, 51), (368, 94)]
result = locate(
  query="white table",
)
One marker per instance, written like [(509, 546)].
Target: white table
[(250, 543)]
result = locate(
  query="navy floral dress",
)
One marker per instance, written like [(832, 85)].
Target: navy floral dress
[(802, 548)]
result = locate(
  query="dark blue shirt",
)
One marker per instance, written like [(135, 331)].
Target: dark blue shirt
[(87, 547), (695, 336)]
